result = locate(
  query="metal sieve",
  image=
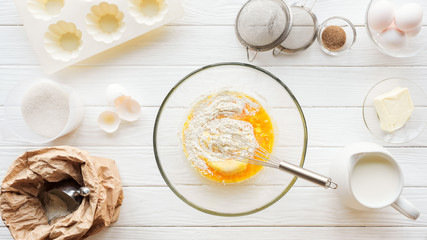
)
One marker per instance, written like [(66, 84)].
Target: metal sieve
[(303, 31), (262, 25)]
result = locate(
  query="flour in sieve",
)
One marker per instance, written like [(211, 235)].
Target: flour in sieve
[(212, 133), (261, 22)]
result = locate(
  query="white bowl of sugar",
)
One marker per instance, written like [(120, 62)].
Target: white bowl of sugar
[(41, 110)]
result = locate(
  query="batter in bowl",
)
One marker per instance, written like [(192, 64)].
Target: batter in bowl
[(213, 123)]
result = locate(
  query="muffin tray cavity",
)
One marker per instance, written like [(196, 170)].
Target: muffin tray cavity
[(63, 41), (64, 32), (45, 9), (148, 11)]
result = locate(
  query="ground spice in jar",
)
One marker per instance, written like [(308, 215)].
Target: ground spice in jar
[(333, 38)]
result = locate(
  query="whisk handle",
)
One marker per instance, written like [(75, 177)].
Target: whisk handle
[(308, 175)]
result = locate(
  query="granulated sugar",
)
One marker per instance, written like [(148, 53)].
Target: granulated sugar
[(45, 108)]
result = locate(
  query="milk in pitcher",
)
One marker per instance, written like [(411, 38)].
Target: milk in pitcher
[(375, 180)]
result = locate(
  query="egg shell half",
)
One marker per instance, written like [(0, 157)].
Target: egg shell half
[(114, 91), (109, 121), (127, 108)]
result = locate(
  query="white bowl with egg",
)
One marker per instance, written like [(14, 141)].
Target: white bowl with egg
[(397, 27)]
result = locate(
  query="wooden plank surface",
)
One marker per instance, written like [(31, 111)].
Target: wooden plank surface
[(301, 206), (325, 126), (138, 167), (224, 12), (256, 233), (195, 45), (331, 91), (312, 86)]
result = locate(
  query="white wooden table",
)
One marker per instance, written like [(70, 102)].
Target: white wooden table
[(330, 89)]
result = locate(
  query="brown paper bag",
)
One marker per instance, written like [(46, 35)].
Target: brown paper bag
[(22, 211)]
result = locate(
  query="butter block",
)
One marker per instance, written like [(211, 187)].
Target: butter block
[(228, 167), (394, 108)]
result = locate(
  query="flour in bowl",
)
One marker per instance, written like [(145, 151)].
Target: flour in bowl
[(215, 130)]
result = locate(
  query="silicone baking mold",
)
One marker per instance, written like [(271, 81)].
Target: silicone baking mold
[(105, 22), (45, 9), (63, 41), (148, 11), (64, 32)]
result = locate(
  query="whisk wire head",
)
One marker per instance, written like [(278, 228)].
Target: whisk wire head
[(254, 161), (256, 154)]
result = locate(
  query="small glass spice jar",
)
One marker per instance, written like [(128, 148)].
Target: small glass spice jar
[(336, 36)]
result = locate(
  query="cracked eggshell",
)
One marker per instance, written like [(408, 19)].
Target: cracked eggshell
[(127, 108), (113, 91), (63, 41), (109, 121), (105, 22), (148, 12), (45, 9)]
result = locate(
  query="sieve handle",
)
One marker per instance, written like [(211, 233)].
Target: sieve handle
[(275, 53), (308, 175), (248, 54), (312, 5)]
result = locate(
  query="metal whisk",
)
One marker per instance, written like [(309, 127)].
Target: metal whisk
[(259, 156)]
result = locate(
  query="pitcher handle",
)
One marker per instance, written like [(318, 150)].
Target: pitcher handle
[(406, 208)]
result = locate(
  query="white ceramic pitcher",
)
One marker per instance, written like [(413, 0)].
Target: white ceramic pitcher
[(341, 171)]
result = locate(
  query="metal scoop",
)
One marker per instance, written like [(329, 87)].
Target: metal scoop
[(70, 192)]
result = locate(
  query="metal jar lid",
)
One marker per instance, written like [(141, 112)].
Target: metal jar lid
[(262, 25)]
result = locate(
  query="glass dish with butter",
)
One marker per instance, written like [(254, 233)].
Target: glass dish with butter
[(395, 110)]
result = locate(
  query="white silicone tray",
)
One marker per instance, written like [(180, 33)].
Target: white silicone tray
[(64, 32)]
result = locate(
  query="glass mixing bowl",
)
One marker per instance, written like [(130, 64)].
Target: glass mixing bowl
[(414, 45), (252, 195)]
